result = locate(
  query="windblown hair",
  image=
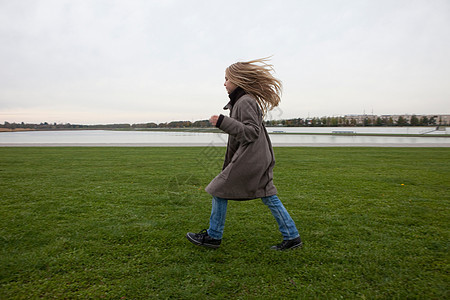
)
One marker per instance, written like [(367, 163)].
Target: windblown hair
[(255, 77)]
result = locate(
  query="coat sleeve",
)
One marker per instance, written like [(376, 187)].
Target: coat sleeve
[(245, 127)]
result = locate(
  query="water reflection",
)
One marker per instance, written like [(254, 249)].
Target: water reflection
[(161, 138)]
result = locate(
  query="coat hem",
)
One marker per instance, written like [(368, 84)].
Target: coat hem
[(244, 198)]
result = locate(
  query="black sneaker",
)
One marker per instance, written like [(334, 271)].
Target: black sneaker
[(288, 244), (203, 239)]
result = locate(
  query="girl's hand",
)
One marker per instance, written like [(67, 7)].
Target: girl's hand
[(213, 120)]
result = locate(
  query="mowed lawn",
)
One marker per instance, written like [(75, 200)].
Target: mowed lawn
[(111, 223)]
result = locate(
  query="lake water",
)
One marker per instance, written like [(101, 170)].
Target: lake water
[(165, 138)]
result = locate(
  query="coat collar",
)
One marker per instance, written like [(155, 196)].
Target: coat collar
[(234, 97)]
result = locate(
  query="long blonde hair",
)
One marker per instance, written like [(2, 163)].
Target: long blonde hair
[(255, 77)]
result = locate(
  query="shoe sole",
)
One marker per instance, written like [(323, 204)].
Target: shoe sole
[(197, 243), (293, 247), (296, 246)]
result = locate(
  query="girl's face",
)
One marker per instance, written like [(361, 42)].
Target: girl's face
[(229, 86)]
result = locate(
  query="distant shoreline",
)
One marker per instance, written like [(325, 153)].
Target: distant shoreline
[(16, 129)]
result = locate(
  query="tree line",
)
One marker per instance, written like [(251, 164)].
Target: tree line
[(358, 121), (296, 122)]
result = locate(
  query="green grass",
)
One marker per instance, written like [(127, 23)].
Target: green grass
[(111, 223)]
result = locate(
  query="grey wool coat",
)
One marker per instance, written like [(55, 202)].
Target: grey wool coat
[(249, 160)]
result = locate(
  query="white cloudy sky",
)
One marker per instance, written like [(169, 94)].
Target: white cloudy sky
[(135, 61)]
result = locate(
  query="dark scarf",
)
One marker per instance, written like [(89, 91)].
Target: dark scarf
[(235, 95)]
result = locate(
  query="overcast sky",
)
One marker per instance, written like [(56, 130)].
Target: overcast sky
[(124, 61)]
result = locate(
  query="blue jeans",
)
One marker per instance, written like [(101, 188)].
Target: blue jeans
[(284, 220)]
